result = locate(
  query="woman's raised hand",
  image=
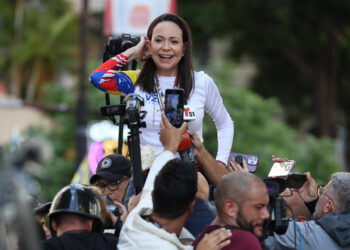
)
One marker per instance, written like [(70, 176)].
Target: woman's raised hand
[(140, 52)]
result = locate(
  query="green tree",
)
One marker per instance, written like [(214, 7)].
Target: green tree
[(300, 48), (260, 130), (38, 42)]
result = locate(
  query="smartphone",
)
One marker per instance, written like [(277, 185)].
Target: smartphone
[(282, 169), (252, 160), (174, 106), (296, 180)]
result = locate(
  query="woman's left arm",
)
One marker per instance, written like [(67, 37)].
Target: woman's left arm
[(214, 106)]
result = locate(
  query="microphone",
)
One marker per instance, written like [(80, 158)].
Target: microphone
[(185, 143), (186, 149)]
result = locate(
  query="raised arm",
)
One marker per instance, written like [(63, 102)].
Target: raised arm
[(212, 168), (107, 76)]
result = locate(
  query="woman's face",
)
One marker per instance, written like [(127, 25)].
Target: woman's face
[(167, 47)]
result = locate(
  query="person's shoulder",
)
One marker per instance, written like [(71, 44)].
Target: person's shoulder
[(203, 80), (201, 75), (106, 240), (244, 234), (51, 243), (244, 239)]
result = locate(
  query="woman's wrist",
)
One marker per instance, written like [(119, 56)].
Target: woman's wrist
[(130, 53)]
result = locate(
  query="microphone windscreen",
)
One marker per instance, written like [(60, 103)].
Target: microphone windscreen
[(185, 142)]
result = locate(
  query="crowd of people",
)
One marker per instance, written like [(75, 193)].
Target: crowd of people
[(156, 217), (177, 207)]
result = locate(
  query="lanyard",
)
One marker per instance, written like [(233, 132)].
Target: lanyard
[(160, 100)]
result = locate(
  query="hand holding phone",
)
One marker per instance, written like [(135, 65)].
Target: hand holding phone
[(238, 163), (251, 160), (174, 106)]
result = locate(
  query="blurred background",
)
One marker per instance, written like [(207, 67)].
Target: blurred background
[(281, 68)]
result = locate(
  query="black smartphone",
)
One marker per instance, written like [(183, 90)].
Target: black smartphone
[(252, 160), (296, 180), (174, 106)]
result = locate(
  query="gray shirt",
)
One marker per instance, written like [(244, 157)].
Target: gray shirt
[(312, 237)]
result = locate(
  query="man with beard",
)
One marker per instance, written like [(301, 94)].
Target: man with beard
[(241, 200)]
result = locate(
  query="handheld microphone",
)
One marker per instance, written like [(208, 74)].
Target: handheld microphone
[(186, 149)]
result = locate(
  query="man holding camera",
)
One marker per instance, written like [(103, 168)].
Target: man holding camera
[(330, 227), (241, 200), (112, 178)]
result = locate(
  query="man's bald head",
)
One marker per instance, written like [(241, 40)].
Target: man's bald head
[(235, 186), (299, 210)]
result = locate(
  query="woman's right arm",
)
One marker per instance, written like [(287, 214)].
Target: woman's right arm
[(104, 78)]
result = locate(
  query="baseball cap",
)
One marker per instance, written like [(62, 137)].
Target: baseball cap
[(112, 168)]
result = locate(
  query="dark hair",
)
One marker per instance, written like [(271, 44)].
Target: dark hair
[(185, 68), (63, 218), (175, 188)]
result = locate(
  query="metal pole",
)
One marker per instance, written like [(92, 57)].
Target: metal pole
[(82, 104)]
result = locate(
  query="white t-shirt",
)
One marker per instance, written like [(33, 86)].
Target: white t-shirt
[(205, 97)]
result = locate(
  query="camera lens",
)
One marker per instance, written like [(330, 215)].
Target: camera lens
[(239, 159)]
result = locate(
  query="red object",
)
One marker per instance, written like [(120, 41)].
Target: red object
[(173, 6), (185, 142), (107, 19)]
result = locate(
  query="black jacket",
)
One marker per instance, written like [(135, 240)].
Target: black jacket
[(80, 240)]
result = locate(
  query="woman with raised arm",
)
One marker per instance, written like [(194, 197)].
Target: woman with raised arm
[(167, 55)]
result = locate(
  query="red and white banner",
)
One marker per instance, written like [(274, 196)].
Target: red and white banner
[(133, 16)]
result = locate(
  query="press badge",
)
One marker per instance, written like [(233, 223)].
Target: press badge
[(189, 114)]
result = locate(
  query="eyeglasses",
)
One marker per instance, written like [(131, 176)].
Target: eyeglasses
[(320, 191), (112, 186)]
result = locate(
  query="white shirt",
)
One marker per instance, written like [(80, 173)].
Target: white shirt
[(138, 233), (205, 97)]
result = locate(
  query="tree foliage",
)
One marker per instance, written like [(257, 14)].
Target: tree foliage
[(38, 43), (301, 50), (260, 130)]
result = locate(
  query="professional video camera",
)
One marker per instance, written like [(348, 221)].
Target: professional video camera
[(278, 221), (116, 45)]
